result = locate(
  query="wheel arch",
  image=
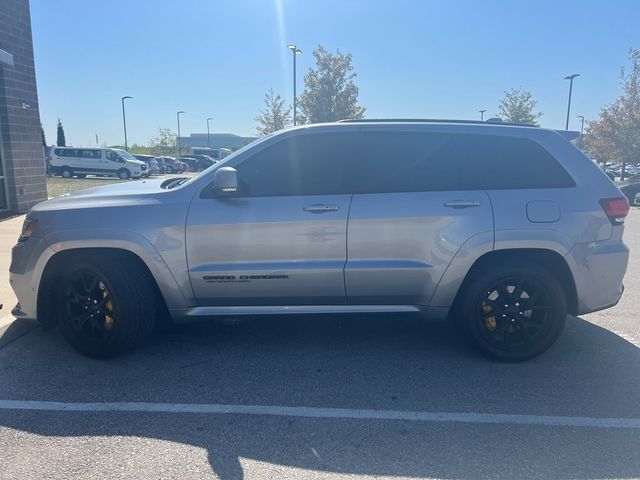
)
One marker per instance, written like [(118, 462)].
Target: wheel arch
[(548, 259), (59, 261)]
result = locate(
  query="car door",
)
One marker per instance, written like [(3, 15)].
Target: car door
[(409, 216), (281, 239)]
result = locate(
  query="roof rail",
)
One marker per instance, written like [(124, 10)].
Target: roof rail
[(433, 120)]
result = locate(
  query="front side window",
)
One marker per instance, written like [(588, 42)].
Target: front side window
[(312, 164), (113, 156)]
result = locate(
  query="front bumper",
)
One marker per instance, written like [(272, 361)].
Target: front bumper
[(27, 264)]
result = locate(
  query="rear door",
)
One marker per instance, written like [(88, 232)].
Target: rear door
[(409, 216)]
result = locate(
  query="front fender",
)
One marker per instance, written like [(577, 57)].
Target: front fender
[(177, 292)]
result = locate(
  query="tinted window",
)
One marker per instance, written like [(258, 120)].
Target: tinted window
[(89, 153), (401, 162), (385, 162), (311, 164), (496, 162)]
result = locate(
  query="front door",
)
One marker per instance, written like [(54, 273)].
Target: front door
[(281, 240)]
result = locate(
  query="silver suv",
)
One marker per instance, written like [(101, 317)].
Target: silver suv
[(503, 229)]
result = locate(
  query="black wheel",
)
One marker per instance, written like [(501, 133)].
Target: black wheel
[(99, 313), (66, 172), (512, 313), (169, 170), (124, 174), (81, 175)]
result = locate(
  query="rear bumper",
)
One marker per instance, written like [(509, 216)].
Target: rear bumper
[(598, 270)]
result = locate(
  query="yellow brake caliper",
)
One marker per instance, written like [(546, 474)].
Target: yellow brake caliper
[(108, 321), (490, 322)]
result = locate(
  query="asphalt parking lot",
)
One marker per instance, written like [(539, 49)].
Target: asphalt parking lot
[(327, 398)]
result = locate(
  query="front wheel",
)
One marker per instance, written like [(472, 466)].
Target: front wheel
[(512, 313), (98, 311), (124, 174)]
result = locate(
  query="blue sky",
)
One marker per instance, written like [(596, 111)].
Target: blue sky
[(436, 59)]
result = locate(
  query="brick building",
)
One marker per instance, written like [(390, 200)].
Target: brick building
[(22, 165)]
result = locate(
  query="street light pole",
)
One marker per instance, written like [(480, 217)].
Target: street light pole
[(209, 134), (295, 50), (482, 115), (178, 139), (570, 78), (581, 117), (124, 122)]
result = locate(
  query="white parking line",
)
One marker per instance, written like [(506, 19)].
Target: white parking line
[(315, 412)]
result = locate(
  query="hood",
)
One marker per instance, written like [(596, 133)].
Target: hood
[(121, 193)]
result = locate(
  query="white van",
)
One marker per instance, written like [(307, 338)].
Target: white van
[(80, 162)]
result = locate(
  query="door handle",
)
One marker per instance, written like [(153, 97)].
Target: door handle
[(462, 203), (321, 208)]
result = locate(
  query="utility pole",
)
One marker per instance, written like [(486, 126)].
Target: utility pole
[(570, 78), (295, 50)]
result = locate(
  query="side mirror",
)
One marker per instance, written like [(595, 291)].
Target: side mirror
[(225, 181)]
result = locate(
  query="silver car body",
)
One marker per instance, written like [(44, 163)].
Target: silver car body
[(389, 252)]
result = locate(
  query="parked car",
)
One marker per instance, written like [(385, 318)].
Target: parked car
[(79, 162), (152, 163), (630, 190), (171, 165), (198, 163), (502, 229), (608, 173)]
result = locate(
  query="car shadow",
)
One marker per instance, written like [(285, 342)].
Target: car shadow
[(377, 362)]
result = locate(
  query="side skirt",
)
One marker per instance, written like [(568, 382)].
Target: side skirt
[(196, 314)]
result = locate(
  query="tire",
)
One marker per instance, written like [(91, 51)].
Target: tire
[(81, 175), (124, 174), (512, 313), (66, 172), (169, 170), (98, 311)]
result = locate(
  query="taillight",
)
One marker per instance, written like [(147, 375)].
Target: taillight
[(616, 209)]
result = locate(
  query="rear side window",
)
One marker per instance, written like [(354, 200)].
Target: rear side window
[(89, 153), (498, 162)]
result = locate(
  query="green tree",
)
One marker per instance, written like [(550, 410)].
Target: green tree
[(615, 135), (330, 93), (274, 117), (44, 139), (60, 140), (164, 143), (517, 106)]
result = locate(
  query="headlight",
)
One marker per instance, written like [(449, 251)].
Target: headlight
[(28, 227)]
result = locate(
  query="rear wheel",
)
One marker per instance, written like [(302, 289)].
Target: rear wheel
[(98, 311), (66, 172), (81, 175), (512, 313), (124, 174)]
